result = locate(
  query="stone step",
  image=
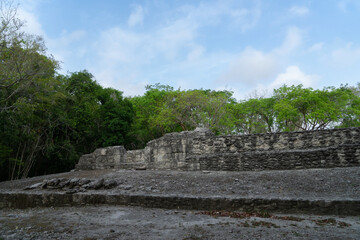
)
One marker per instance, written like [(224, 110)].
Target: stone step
[(279, 205)]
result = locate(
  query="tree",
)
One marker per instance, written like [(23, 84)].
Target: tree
[(196, 108), (299, 108), (255, 115), (116, 116), (349, 100), (22, 57), (147, 108), (25, 88)]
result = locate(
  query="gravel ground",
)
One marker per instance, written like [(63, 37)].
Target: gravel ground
[(114, 222), (330, 184), (111, 222)]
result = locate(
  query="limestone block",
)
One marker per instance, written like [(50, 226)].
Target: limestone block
[(201, 150)]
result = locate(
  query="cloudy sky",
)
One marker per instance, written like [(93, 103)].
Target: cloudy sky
[(235, 45)]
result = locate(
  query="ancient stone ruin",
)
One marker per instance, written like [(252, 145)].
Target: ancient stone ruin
[(327, 181), (202, 150)]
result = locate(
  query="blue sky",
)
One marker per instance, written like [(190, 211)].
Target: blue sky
[(243, 46)]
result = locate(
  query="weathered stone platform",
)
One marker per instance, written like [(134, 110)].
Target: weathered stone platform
[(315, 172), (315, 191), (202, 150)]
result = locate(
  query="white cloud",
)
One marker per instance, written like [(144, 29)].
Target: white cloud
[(172, 38), (316, 47), (342, 6), (136, 17), (345, 5), (124, 81), (298, 11), (235, 13), (196, 53), (253, 67), (118, 46), (66, 47), (292, 41), (294, 76), (250, 67), (61, 48), (32, 24), (346, 56), (123, 55), (246, 18)]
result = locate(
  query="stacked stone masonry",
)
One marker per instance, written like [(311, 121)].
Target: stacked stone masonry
[(202, 150)]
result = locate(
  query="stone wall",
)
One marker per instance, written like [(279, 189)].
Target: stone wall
[(171, 150), (201, 150), (292, 150), (111, 157), (296, 205)]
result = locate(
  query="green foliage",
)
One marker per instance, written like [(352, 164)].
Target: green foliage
[(147, 108), (255, 115), (57, 119), (163, 109), (116, 116), (48, 120), (196, 108), (299, 108)]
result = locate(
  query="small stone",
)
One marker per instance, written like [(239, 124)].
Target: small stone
[(53, 182), (99, 183), (36, 185), (141, 168), (73, 182), (44, 184), (63, 182), (206, 172), (112, 230), (110, 183), (126, 187), (83, 181), (72, 191)]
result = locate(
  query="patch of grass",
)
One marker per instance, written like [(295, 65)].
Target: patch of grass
[(263, 224), (297, 234), (327, 221), (249, 214), (332, 222), (343, 224), (246, 224), (289, 218), (264, 214), (225, 223)]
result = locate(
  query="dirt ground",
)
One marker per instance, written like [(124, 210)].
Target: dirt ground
[(331, 184), (112, 222), (120, 222)]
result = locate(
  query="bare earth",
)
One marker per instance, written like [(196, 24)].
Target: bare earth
[(120, 222)]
